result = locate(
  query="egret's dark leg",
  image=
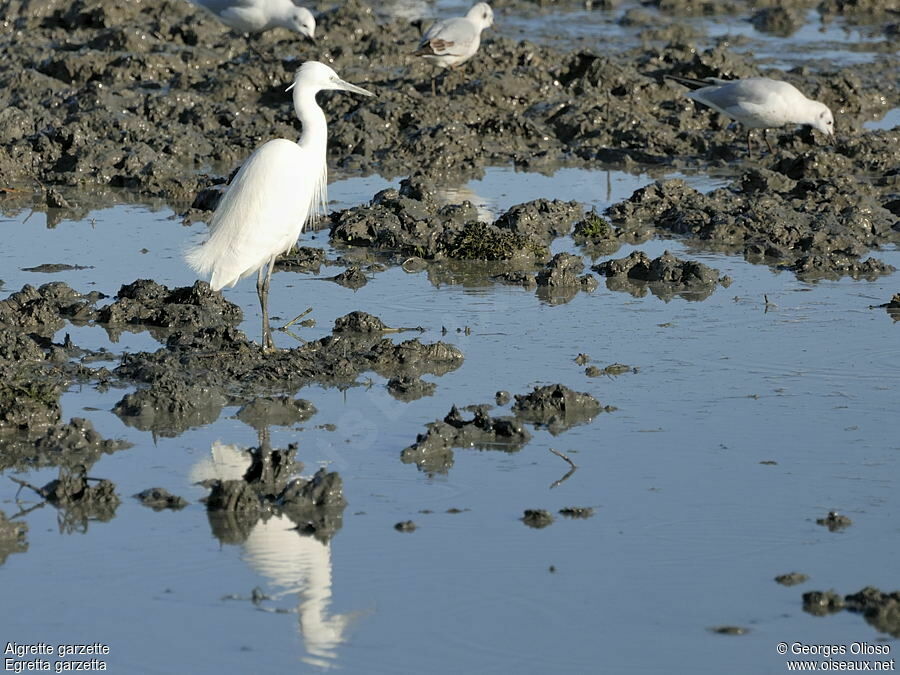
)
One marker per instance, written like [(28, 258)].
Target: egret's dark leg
[(262, 289), (749, 142), (766, 139)]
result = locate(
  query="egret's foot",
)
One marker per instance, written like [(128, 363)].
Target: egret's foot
[(268, 344)]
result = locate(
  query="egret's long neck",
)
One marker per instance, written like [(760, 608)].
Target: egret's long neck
[(314, 142), (315, 128)]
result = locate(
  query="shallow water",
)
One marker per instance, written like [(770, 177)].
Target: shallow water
[(689, 531)]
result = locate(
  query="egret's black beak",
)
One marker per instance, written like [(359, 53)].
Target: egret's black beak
[(311, 40)]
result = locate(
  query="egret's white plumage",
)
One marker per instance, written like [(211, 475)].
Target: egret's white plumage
[(451, 42), (760, 103), (277, 190), (258, 16)]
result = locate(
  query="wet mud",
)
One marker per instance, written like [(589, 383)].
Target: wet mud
[(13, 537), (880, 610), (666, 276), (577, 512), (555, 407), (79, 498), (433, 451), (271, 486), (537, 518), (834, 521), (175, 388), (791, 578), (811, 218), (148, 96), (159, 499)]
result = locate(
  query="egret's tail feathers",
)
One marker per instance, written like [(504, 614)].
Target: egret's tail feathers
[(201, 260)]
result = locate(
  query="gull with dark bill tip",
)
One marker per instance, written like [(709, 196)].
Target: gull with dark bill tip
[(278, 189), (759, 103)]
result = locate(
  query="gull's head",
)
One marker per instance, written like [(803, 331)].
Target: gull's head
[(301, 20), (317, 76), (481, 15), (822, 119)]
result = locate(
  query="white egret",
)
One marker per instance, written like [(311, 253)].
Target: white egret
[(451, 42), (258, 16), (760, 103), (281, 186)]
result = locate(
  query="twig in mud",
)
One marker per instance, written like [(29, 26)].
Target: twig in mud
[(565, 457), (296, 319), (293, 335), (23, 483), (568, 473), (25, 512)]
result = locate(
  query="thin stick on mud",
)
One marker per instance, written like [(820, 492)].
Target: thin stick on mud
[(568, 473), (296, 318), (23, 483), (565, 457)]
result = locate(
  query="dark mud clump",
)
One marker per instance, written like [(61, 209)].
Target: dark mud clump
[(405, 526), (892, 307), (302, 259), (598, 237), (561, 279), (270, 485), (557, 407), (665, 276), (147, 303), (32, 434), (45, 310), (412, 222), (537, 518), (282, 411), (612, 370), (12, 537), (190, 380), (880, 610), (159, 499), (729, 630), (35, 371), (359, 322), (816, 223), (78, 498), (171, 406), (791, 579), (433, 450), (406, 388), (834, 521), (820, 603), (353, 278)]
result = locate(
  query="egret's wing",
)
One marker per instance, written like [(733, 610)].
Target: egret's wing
[(260, 216), (450, 37)]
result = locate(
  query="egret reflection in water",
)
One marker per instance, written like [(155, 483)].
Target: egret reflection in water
[(290, 561)]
